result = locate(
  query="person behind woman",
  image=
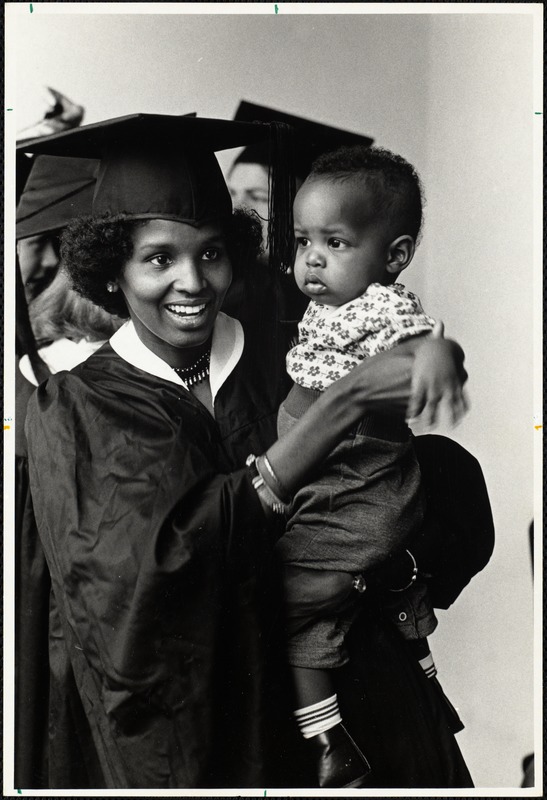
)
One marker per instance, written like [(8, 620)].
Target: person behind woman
[(42, 187), (248, 176), (249, 182), (155, 518), (67, 327), (56, 190)]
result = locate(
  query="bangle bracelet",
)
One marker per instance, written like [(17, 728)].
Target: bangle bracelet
[(280, 490), (268, 497), (413, 577)]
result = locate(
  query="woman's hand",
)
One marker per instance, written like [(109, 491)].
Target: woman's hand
[(438, 378), (59, 114)]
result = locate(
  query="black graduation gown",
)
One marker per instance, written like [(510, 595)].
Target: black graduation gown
[(155, 548), (32, 587), (166, 668)]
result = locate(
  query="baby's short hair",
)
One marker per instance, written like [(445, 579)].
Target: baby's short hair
[(394, 183)]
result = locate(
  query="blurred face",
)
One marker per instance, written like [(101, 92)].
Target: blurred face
[(38, 261), (341, 247), (248, 185), (174, 285)]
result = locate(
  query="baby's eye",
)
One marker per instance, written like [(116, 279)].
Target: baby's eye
[(302, 241), (211, 254), (336, 244), (161, 260)]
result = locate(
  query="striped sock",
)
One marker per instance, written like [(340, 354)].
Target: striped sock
[(420, 648), (318, 717), (428, 665)]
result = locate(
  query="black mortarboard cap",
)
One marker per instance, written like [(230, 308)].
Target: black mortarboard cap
[(156, 165), (56, 191), (160, 166), (311, 139)]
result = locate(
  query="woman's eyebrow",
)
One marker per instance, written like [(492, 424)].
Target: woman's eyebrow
[(219, 236), (160, 244), (218, 239), (163, 244)]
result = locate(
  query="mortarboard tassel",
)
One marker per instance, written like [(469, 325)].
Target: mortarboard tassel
[(281, 196)]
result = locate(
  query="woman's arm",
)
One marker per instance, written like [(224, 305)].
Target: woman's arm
[(380, 383)]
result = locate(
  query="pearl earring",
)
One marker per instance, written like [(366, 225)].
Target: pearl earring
[(111, 287)]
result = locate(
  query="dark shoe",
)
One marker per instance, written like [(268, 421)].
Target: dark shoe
[(340, 763)]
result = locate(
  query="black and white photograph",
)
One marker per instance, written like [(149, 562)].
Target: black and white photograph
[(273, 422)]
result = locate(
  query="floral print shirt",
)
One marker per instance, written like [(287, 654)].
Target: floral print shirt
[(332, 341)]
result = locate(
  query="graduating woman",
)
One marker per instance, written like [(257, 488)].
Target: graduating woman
[(156, 479)]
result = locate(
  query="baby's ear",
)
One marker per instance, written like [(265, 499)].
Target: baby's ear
[(400, 253)]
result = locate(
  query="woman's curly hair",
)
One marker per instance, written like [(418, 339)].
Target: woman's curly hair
[(94, 251)]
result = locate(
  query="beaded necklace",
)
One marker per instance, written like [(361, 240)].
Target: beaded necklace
[(196, 372)]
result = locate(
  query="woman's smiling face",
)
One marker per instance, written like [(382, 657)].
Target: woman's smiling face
[(174, 285)]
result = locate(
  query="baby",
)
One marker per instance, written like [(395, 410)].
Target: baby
[(357, 220)]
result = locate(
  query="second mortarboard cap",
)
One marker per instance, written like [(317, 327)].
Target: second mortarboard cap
[(56, 191), (311, 139)]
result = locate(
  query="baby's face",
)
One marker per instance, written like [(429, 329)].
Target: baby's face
[(341, 247)]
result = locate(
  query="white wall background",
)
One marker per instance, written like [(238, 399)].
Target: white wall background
[(451, 92), (478, 274)]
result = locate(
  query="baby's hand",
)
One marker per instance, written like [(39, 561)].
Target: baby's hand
[(438, 378)]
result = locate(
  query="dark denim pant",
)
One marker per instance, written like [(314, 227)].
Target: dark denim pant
[(364, 505)]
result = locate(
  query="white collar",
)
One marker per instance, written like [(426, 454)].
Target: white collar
[(226, 350), (62, 354)]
